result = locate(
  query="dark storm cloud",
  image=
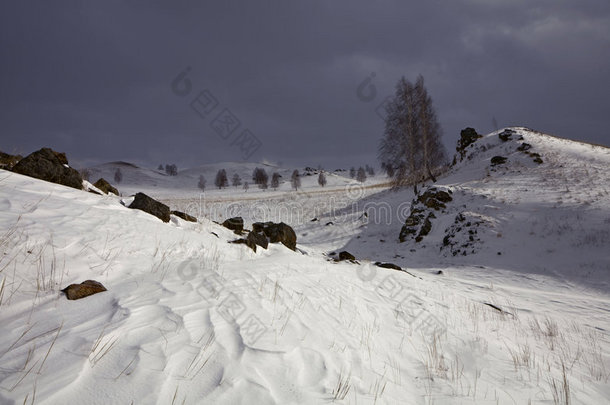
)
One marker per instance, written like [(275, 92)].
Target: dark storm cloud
[(93, 78)]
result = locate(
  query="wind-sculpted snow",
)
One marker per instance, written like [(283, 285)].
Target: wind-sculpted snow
[(190, 318)]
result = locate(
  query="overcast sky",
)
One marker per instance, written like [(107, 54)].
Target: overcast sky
[(94, 79)]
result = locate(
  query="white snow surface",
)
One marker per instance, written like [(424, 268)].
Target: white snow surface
[(189, 318)]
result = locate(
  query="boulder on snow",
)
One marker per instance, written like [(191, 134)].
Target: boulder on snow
[(498, 160), (506, 135), (151, 206), (277, 233), (345, 255), (184, 216), (388, 265), (253, 240), (48, 165), (106, 187), (258, 239), (236, 224), (82, 290)]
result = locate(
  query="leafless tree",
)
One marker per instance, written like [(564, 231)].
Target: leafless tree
[(236, 180), (275, 180), (118, 175), (322, 179), (201, 183), (361, 175), (411, 143), (295, 179), (221, 179)]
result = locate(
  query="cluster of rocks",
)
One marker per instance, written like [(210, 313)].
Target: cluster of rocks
[(49, 165), (507, 135), (525, 148), (462, 237), (262, 233), (419, 222)]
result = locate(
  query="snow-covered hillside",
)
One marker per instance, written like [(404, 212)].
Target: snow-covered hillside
[(522, 317)]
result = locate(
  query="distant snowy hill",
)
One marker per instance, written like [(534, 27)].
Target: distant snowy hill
[(504, 299), (184, 184)]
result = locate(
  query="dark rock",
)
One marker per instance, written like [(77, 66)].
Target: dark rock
[(258, 239), (467, 137), (277, 233), (184, 216), (246, 242), (506, 135), (498, 160), (151, 206), (424, 230), (524, 147), (345, 255), (329, 223), (439, 272), (236, 224), (82, 290), (51, 166), (106, 187), (314, 220), (435, 198), (388, 265), (7, 162)]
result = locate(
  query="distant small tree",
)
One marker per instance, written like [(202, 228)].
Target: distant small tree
[(201, 183), (295, 179), (260, 177), (160, 168), (246, 186), (388, 168), (370, 171), (361, 176), (275, 180), (322, 179), (221, 179), (171, 170), (118, 175), (352, 172), (236, 181)]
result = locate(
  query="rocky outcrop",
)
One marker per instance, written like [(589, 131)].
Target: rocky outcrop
[(467, 137), (419, 222), (106, 187), (82, 290), (48, 165), (151, 206)]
